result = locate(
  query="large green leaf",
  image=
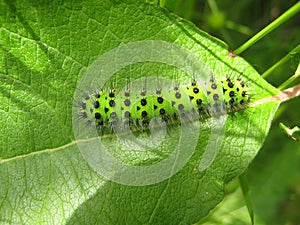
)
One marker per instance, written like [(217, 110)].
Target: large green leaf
[(46, 48)]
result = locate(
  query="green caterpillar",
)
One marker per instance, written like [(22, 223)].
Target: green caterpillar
[(108, 109)]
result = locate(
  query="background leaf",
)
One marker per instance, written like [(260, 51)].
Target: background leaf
[(45, 49)]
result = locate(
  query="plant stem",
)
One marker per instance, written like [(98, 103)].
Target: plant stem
[(213, 6), (283, 96), (291, 79), (281, 61), (281, 19), (245, 189), (237, 27)]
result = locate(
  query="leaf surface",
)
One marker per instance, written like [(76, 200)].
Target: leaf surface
[(46, 48)]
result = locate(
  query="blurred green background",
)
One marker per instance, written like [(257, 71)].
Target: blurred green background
[(274, 175)]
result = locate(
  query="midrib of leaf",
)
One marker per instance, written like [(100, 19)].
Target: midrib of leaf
[(281, 97), (51, 150)]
